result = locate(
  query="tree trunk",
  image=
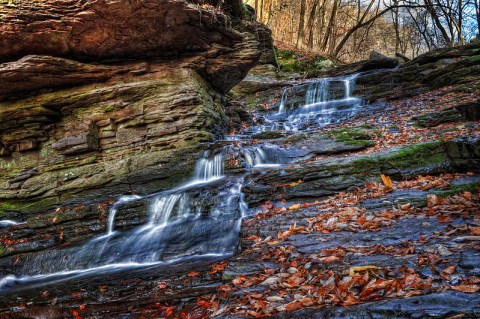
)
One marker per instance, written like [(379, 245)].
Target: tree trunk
[(329, 29), (477, 12), (310, 24), (301, 23), (438, 23)]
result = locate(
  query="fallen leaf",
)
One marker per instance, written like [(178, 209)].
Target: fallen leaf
[(193, 274), (466, 288), (387, 181), (353, 270)]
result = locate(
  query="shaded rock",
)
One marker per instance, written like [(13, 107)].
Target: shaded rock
[(436, 305), (144, 127), (375, 55), (462, 112), (434, 69), (437, 118), (464, 153), (469, 111), (35, 72), (109, 30)]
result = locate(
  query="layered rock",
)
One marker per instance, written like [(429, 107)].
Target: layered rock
[(435, 69), (105, 97), (106, 29)]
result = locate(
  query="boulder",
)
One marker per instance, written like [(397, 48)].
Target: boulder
[(112, 30)]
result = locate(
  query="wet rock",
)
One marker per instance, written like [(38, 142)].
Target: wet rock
[(464, 153), (331, 176), (436, 305), (463, 112)]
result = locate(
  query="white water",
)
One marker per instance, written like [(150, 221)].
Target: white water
[(265, 155), (209, 167), (325, 101), (113, 212), (8, 223)]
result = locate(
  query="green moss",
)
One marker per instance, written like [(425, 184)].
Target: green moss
[(31, 207), (366, 126), (291, 62), (473, 59), (353, 136), (416, 156), (469, 187), (109, 108)]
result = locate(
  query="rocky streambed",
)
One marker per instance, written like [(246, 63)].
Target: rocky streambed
[(355, 201)]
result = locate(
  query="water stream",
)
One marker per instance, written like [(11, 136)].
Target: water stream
[(203, 216)]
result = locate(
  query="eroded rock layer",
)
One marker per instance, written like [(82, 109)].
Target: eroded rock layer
[(110, 97)]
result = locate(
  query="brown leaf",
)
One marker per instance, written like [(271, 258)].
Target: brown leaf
[(193, 274), (294, 306), (466, 288), (162, 285), (450, 270), (329, 259), (475, 231)]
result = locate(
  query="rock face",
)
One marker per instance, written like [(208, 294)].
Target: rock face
[(435, 69), (110, 97), (106, 29)]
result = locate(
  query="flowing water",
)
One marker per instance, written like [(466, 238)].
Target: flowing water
[(311, 105), (202, 217)]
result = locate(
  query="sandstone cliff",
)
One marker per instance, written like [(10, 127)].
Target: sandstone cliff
[(103, 98)]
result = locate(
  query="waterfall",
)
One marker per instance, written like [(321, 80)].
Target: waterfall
[(113, 212), (163, 210), (264, 155), (281, 108), (314, 104), (347, 89), (209, 167), (317, 92)]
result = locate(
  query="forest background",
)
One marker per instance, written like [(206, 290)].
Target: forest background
[(348, 30)]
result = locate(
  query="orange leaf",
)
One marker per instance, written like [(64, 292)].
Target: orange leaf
[(329, 259), (466, 288), (162, 285), (450, 270), (475, 231), (387, 181), (294, 306), (350, 300), (218, 267), (193, 274), (445, 219)]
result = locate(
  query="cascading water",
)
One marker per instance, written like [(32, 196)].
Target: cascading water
[(209, 166), (202, 217), (265, 155), (314, 104), (8, 223)]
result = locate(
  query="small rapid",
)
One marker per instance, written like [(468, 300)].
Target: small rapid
[(312, 105)]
